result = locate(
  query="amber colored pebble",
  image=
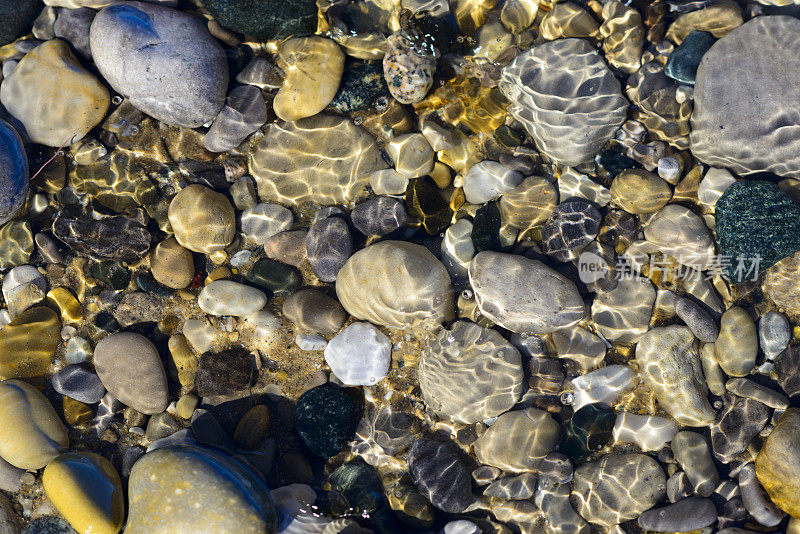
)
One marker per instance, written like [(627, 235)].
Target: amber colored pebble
[(220, 273), (184, 359), (68, 305), (252, 428), (28, 342), (76, 412)]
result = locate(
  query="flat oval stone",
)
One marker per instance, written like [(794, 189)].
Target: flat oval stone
[(469, 373), (693, 454), (31, 434), (13, 172), (737, 344), (440, 475), (697, 319), (638, 191), (315, 311), (524, 295), (225, 297), (263, 221), (278, 279), (110, 238), (162, 60), (395, 283), (131, 370), (169, 485), (28, 342), (531, 430), (86, 489), (685, 515), (325, 407), (76, 382), (202, 219), (379, 216), (171, 264), (328, 247)]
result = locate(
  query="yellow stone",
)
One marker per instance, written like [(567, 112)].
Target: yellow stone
[(639, 191), (27, 343), (778, 463), (16, 244), (186, 406), (252, 428), (202, 219), (718, 19), (184, 359), (31, 433), (220, 273), (68, 305), (567, 20), (76, 412), (86, 489)]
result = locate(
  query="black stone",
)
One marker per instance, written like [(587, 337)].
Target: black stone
[(325, 418), (147, 283), (682, 63), (328, 246), (265, 19), (425, 203), (735, 426), (110, 238), (440, 475), (379, 216), (574, 224), (279, 279), (615, 162), (361, 86), (486, 228), (360, 485), (106, 322), (15, 17), (588, 430), (757, 222), (221, 373), (509, 137), (787, 371), (111, 274)]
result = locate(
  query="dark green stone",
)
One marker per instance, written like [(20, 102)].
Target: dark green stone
[(360, 485), (588, 430), (106, 322), (265, 19), (325, 418), (425, 203), (277, 278), (757, 226), (146, 282), (486, 228), (616, 162), (508, 137), (111, 274), (683, 61), (362, 85), (15, 18)]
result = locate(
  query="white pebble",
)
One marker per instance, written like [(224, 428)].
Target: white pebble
[(457, 246), (359, 355), (263, 221), (225, 297), (604, 385), (412, 155), (388, 182), (488, 180), (308, 342), (22, 274), (77, 350), (714, 183), (199, 334), (241, 258), (669, 169), (649, 432)]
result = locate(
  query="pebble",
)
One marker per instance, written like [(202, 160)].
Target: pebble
[(362, 86), (718, 19), (517, 488), (287, 247), (48, 524), (683, 62), (130, 368), (697, 319), (17, 16), (778, 463), (276, 278), (604, 385), (31, 433), (523, 295), (86, 489), (110, 238), (359, 355), (76, 382), (328, 247), (186, 406), (225, 372), (683, 516), (623, 314), (753, 390), (161, 425), (77, 350), (171, 264), (138, 307), (388, 182), (14, 173), (203, 220), (379, 216), (266, 20), (638, 191), (544, 85), (326, 406), (588, 430), (713, 186), (27, 343), (529, 204), (310, 342), (755, 499), (488, 180), (245, 111), (10, 477), (395, 283), (774, 333), (573, 225), (9, 522), (669, 169), (735, 426), (440, 475), (408, 69), (169, 484), (617, 488), (51, 78), (581, 346), (649, 432), (715, 378), (737, 344), (670, 366), (677, 231), (623, 36), (462, 526), (533, 431), (693, 454), (162, 60), (469, 373), (48, 249), (20, 275), (412, 155), (313, 67), (263, 221), (315, 311), (73, 26), (734, 135), (458, 249)]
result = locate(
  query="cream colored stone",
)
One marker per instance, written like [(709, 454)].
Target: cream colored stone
[(737, 344), (623, 36), (203, 220), (567, 20), (56, 100), (412, 155), (639, 191), (313, 68), (719, 19), (171, 264), (533, 431)]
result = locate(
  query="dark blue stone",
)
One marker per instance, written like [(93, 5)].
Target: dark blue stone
[(683, 61), (13, 171)]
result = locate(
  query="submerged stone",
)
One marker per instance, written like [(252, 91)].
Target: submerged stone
[(425, 203), (279, 279), (265, 19), (683, 61), (588, 430), (326, 420), (111, 238), (440, 475)]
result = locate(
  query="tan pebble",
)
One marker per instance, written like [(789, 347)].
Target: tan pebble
[(27, 343), (220, 273), (718, 19), (287, 247), (184, 359), (186, 406), (171, 264), (737, 344), (202, 219), (639, 191), (252, 428), (76, 412)]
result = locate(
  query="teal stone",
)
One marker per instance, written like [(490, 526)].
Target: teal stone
[(683, 61), (757, 226), (279, 279), (16, 17), (265, 19), (360, 485), (111, 274), (616, 162), (146, 282), (588, 430), (486, 228)]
